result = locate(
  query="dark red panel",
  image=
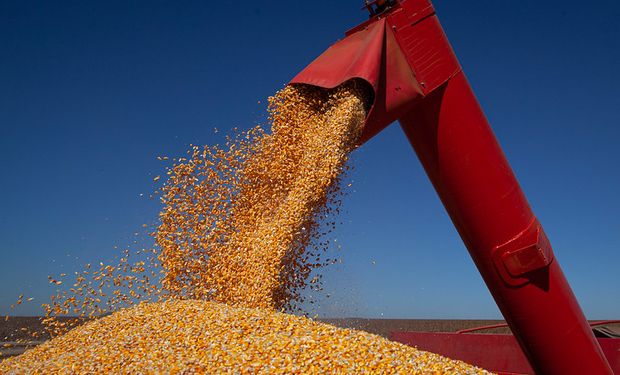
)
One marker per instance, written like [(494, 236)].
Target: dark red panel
[(491, 352), (499, 353)]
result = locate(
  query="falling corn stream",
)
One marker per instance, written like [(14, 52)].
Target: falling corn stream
[(240, 236)]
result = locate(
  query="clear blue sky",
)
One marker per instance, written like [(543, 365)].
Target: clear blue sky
[(91, 92)]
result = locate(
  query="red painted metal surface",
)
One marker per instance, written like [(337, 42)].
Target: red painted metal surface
[(491, 352), (499, 353), (406, 58), (482, 328), (475, 182), (373, 55), (502, 325)]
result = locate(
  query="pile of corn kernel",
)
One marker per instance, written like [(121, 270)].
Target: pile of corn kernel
[(185, 336), (243, 223), (239, 237)]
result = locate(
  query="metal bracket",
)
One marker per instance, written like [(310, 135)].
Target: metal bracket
[(525, 253), (378, 7)]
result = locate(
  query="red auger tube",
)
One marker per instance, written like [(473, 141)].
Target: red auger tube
[(403, 54)]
